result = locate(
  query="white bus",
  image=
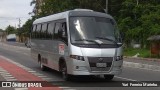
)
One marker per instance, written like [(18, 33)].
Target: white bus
[(78, 42)]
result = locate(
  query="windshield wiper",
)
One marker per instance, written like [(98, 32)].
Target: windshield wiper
[(88, 41), (108, 40)]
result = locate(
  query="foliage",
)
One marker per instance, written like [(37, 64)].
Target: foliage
[(10, 30), (145, 53), (1, 30), (26, 28), (138, 19), (56, 6)]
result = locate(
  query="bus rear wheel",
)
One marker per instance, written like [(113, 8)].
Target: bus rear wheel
[(65, 75), (108, 77)]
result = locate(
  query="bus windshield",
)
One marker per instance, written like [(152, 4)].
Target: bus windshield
[(99, 29)]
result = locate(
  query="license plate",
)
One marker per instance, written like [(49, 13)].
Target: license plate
[(101, 65)]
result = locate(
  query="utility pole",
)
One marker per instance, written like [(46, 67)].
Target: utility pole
[(137, 2), (106, 6), (19, 25)]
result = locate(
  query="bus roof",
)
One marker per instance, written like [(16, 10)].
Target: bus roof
[(66, 14)]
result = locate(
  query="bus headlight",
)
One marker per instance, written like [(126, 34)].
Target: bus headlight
[(119, 58), (77, 57)]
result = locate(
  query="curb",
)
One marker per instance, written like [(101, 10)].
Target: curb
[(146, 59), (141, 66), (11, 46)]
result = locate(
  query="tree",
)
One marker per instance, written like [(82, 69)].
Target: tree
[(55, 6), (26, 28), (10, 30), (139, 20), (1, 30)]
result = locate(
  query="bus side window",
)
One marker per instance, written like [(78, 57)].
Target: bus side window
[(64, 30), (50, 30), (43, 31), (57, 28), (33, 31), (38, 34), (61, 31)]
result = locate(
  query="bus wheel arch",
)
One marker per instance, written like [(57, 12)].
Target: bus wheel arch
[(43, 68), (63, 69)]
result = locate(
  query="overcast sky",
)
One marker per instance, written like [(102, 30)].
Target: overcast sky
[(12, 10)]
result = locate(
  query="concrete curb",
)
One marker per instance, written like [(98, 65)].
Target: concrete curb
[(11, 46), (141, 66), (146, 59)]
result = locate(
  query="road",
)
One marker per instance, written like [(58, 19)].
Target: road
[(15, 44), (22, 56)]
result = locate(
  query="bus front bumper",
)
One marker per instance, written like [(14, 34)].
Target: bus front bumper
[(114, 71)]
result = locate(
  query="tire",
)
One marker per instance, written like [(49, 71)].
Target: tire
[(109, 77), (42, 67), (65, 75)]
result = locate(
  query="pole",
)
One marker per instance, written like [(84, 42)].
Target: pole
[(19, 25), (106, 6), (137, 2)]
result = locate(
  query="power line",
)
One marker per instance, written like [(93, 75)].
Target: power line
[(12, 17)]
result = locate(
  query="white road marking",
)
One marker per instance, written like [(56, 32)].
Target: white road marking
[(31, 71), (37, 74), (4, 73), (125, 78), (47, 78), (42, 76), (64, 87), (9, 75), (11, 80), (69, 89), (21, 89)]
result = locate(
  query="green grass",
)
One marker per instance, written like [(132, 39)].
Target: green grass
[(145, 53)]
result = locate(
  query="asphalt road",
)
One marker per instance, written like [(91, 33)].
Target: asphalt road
[(22, 56), (16, 44)]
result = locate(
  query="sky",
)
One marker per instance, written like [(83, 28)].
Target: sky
[(12, 10)]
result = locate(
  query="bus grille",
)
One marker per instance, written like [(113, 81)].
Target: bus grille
[(94, 60)]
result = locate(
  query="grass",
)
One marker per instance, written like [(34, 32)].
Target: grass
[(145, 53)]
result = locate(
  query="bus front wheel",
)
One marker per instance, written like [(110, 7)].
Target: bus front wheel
[(109, 77), (65, 75)]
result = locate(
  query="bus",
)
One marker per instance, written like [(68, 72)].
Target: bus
[(78, 42)]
